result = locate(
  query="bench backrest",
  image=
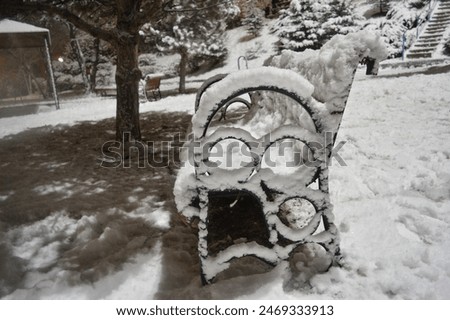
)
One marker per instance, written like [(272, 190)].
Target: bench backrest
[(249, 207), (153, 83)]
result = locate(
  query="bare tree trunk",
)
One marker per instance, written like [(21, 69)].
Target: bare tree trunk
[(94, 68), (183, 70), (79, 54), (127, 73)]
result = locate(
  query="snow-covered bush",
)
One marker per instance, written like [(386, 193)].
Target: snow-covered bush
[(255, 51), (254, 21), (98, 59), (331, 69), (309, 24), (105, 74), (195, 31), (67, 75)]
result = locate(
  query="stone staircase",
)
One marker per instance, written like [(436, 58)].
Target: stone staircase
[(431, 37)]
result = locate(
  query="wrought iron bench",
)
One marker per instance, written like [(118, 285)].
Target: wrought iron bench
[(243, 203)]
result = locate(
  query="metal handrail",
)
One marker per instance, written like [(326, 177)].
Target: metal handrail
[(239, 62), (420, 25)]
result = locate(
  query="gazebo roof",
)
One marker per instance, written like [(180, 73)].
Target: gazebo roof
[(15, 34)]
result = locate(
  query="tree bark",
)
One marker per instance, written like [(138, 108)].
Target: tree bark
[(127, 72), (183, 70), (79, 55), (94, 67)]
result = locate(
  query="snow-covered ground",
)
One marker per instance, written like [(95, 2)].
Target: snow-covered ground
[(87, 109), (391, 201)]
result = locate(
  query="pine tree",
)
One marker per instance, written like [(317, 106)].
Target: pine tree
[(339, 19), (195, 29), (299, 25), (308, 24), (253, 19)]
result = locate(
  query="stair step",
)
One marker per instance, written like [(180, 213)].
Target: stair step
[(437, 27), (441, 15), (440, 21), (433, 44), (415, 48), (439, 24), (419, 50), (435, 30), (432, 33), (427, 37), (419, 46), (443, 27), (432, 36), (426, 44), (418, 56)]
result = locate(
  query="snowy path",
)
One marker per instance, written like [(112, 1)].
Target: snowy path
[(391, 201), (393, 198)]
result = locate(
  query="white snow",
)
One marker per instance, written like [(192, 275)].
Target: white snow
[(87, 109), (391, 203), (331, 68), (266, 76), (10, 26)]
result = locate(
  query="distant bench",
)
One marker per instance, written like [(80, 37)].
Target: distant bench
[(152, 87), (106, 91)]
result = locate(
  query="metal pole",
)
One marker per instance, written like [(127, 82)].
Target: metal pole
[(50, 72), (239, 62), (403, 46)]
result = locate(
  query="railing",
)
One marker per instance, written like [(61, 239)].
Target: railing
[(421, 21)]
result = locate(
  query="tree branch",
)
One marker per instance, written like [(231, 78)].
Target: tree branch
[(62, 12), (149, 11)]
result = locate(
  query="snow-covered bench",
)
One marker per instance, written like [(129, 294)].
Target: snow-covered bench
[(152, 86), (106, 91), (256, 182)]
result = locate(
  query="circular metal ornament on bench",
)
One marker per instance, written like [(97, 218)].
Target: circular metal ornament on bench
[(261, 209)]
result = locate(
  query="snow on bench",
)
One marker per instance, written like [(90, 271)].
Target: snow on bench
[(254, 182)]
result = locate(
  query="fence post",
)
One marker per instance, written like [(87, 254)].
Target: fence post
[(403, 45), (51, 75)]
